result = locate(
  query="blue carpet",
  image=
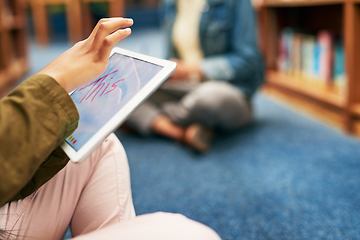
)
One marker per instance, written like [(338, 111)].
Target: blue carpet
[(284, 177)]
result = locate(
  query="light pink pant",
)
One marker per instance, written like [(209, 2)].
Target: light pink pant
[(94, 197)]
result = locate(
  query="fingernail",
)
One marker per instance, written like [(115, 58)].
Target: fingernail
[(130, 20), (127, 29)]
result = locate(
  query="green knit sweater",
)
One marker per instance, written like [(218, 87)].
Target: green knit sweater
[(34, 119)]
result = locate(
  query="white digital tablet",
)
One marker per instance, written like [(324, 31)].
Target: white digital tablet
[(104, 104)]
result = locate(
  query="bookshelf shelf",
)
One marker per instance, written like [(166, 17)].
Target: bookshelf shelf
[(309, 19), (13, 50), (297, 3), (355, 109), (303, 86)]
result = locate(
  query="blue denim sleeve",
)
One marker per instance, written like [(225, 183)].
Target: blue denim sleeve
[(242, 64), (167, 12)]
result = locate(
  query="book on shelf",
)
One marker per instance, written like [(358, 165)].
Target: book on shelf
[(317, 58), (339, 66), (307, 56), (296, 54), (324, 40), (284, 56)]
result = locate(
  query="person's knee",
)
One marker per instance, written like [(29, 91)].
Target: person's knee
[(110, 146), (183, 227), (211, 96)]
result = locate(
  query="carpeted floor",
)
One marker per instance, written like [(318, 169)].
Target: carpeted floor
[(284, 177)]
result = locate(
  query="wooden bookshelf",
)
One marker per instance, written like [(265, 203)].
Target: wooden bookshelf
[(337, 16), (13, 40), (305, 87), (355, 109)]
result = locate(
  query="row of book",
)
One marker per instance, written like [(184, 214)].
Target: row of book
[(318, 58)]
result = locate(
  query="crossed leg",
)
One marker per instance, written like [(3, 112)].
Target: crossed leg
[(94, 197), (87, 195)]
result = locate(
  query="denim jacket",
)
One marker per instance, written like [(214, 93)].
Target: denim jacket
[(228, 41)]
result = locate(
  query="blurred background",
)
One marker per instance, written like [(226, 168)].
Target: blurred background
[(293, 174)]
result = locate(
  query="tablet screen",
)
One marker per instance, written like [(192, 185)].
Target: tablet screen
[(100, 100)]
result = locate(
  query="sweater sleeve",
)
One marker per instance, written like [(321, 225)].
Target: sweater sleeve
[(34, 119)]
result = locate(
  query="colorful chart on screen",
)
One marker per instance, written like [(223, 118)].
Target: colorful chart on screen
[(127, 81)]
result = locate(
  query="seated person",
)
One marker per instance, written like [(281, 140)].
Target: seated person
[(41, 192), (219, 69)]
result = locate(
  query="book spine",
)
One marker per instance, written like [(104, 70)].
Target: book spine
[(325, 55)]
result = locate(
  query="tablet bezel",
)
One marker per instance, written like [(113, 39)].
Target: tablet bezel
[(167, 68)]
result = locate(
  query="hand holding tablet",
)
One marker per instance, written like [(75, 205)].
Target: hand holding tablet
[(106, 102)]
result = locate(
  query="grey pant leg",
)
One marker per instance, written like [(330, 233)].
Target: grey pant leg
[(142, 118), (213, 104)]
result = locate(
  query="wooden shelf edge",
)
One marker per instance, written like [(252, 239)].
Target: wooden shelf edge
[(356, 126), (330, 116), (291, 83), (297, 3), (355, 109)]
